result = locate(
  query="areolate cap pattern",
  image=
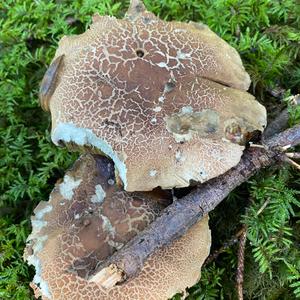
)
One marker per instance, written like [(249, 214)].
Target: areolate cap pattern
[(86, 219), (166, 101)]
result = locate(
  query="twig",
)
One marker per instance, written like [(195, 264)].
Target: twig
[(233, 240), (291, 162), (263, 207), (256, 145), (240, 268), (178, 217), (285, 148), (295, 155)]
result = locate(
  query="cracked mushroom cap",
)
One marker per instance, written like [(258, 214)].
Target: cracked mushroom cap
[(88, 218), (166, 101)]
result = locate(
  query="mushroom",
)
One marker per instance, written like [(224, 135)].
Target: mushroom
[(86, 219), (166, 101)]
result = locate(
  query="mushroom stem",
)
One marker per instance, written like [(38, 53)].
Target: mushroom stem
[(183, 213)]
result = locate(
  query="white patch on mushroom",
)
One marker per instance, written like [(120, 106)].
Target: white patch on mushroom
[(77, 216), (162, 65), (153, 121), (66, 188), (99, 194), (40, 214), (161, 99), (177, 30), (186, 110), (107, 226), (157, 109), (179, 157), (35, 261), (68, 132), (180, 138), (38, 224), (182, 55), (110, 181), (153, 173)]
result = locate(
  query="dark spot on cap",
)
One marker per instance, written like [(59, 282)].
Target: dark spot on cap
[(146, 20), (140, 52), (169, 86), (210, 128), (61, 143)]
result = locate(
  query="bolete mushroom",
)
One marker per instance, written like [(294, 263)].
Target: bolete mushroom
[(166, 101), (88, 218)]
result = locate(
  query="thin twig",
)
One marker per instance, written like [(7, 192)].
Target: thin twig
[(241, 260), (295, 155), (285, 148), (263, 207), (291, 162), (256, 145), (233, 240)]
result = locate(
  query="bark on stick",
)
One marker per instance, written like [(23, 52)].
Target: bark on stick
[(177, 218)]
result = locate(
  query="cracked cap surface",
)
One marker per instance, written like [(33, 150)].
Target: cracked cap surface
[(166, 101), (88, 218)]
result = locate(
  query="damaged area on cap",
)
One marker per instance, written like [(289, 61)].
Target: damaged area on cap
[(140, 89), (186, 123), (70, 133), (99, 219), (66, 188), (99, 194), (49, 82), (32, 259)]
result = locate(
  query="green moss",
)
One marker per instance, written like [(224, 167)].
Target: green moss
[(267, 35)]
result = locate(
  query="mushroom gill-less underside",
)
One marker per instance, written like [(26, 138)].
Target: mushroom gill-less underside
[(166, 101), (86, 219)]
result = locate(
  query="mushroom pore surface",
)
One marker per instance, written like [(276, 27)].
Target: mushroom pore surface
[(166, 101), (86, 219)]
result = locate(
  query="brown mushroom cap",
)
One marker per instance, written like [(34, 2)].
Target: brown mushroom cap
[(88, 218), (165, 101)]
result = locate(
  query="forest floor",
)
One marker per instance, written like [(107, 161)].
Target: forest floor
[(266, 34)]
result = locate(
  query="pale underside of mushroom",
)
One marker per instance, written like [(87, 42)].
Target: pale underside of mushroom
[(166, 101), (88, 218)]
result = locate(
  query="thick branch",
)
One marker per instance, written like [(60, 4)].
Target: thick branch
[(177, 218)]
